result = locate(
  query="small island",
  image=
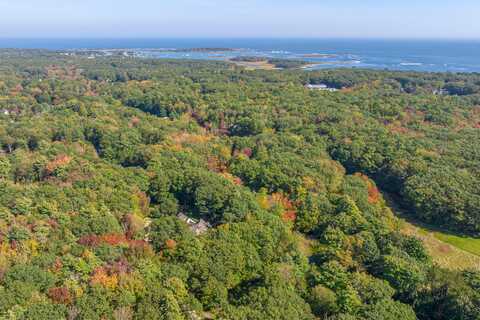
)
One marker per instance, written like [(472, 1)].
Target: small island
[(267, 63)]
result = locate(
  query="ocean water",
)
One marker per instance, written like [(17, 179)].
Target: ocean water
[(414, 55)]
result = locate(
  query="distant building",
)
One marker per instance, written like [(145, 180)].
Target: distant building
[(197, 226), (440, 92), (321, 87)]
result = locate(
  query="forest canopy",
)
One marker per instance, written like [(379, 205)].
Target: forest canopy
[(165, 189)]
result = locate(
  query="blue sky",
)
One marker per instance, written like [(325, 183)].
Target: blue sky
[(240, 18)]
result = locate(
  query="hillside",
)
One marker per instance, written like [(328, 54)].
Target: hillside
[(166, 189)]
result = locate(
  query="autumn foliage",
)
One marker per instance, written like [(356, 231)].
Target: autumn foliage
[(171, 244), (59, 161), (373, 192), (60, 295), (112, 239), (102, 277), (289, 211)]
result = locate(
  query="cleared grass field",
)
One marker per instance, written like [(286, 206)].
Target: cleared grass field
[(447, 250), (468, 244), (255, 65)]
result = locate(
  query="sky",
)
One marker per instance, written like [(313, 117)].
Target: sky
[(240, 19)]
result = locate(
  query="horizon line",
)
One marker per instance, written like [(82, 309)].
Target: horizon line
[(236, 38)]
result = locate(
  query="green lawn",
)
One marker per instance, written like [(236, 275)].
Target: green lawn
[(468, 244), (448, 251)]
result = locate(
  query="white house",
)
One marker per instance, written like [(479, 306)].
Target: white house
[(321, 86), (197, 226)]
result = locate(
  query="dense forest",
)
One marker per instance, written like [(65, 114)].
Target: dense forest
[(167, 189)]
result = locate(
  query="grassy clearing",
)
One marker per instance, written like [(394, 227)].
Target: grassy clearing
[(447, 250), (468, 244), (255, 65)]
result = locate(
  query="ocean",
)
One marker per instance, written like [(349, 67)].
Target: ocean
[(412, 55)]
